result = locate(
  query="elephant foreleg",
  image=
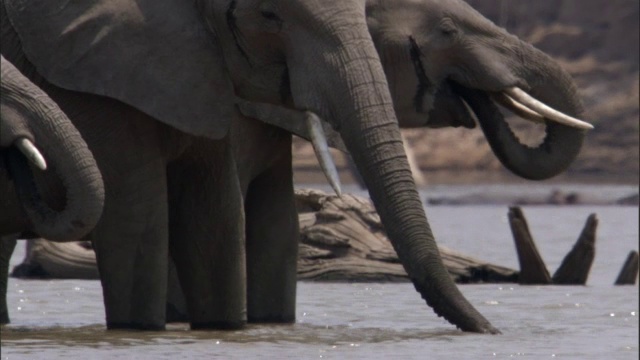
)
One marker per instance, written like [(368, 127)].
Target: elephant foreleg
[(131, 238), (131, 245), (7, 244), (207, 235), (272, 244)]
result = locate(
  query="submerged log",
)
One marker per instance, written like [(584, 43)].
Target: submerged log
[(341, 239), (575, 267), (629, 272)]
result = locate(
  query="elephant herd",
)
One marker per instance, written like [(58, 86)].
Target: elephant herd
[(165, 130)]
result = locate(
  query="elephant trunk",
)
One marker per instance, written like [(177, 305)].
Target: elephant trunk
[(361, 109), (378, 152), (553, 86), (40, 119)]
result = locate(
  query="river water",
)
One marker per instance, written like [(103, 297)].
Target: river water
[(64, 319)]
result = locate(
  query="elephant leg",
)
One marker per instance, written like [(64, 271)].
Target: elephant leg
[(272, 244), (131, 244), (176, 303), (207, 235), (7, 245)]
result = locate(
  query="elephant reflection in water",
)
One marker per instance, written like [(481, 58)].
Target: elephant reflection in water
[(185, 156)]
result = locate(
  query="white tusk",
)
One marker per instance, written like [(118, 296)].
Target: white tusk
[(321, 148), (527, 100), (517, 108), (31, 152)]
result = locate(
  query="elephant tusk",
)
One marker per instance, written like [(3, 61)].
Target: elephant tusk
[(31, 152), (311, 129), (290, 120), (321, 148), (517, 108), (528, 101)]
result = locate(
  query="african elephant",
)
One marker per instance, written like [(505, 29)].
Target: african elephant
[(28, 117), (182, 65)]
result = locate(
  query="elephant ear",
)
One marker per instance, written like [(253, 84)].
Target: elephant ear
[(154, 55)]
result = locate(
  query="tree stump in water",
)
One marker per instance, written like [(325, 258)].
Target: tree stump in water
[(532, 267), (575, 266), (629, 272)]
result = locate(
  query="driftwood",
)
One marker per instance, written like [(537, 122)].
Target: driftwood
[(629, 272), (341, 239), (575, 266), (68, 260)]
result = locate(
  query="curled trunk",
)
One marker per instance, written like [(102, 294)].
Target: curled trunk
[(550, 84), (29, 112)]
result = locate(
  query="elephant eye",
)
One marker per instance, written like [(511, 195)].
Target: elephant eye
[(448, 27), (270, 15), (273, 21)]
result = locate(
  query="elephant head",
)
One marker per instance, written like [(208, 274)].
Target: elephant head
[(185, 65), (27, 117), (428, 45)]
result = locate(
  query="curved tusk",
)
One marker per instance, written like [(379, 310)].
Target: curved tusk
[(320, 147), (517, 108), (527, 100), (31, 152)]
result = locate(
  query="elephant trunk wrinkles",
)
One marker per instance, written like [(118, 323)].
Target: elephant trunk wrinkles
[(552, 85), (68, 154), (380, 158), (370, 131)]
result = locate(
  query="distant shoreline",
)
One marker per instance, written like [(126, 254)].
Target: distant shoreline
[(311, 175)]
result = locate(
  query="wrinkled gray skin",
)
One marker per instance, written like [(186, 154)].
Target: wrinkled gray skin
[(309, 55), (27, 112)]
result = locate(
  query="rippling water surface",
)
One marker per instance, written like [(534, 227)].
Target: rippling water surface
[(65, 318)]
